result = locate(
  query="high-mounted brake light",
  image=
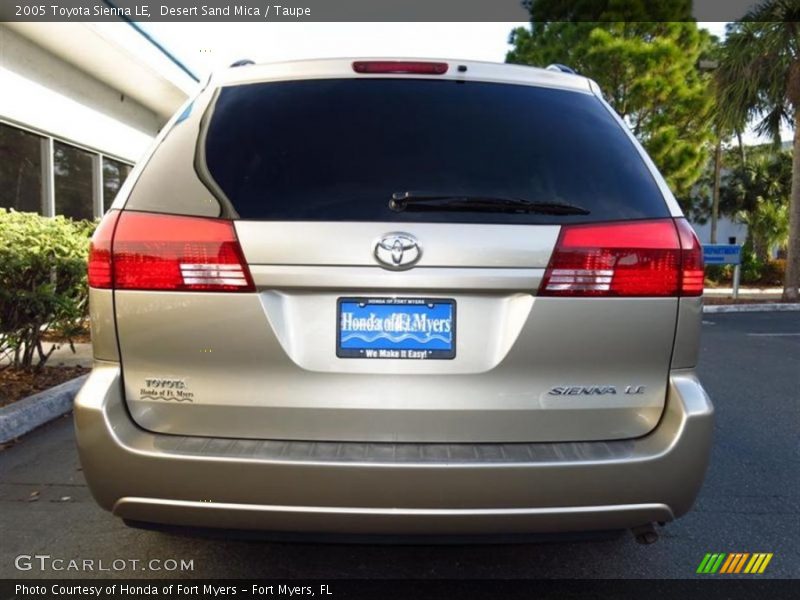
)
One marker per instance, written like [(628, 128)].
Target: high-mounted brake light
[(638, 258), (400, 66), (170, 252)]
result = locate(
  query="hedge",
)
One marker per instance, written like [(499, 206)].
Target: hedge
[(42, 283)]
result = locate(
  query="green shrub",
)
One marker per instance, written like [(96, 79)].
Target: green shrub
[(42, 282), (773, 273), (751, 266), (718, 274)]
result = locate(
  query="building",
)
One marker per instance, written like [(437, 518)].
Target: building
[(729, 231), (79, 105)]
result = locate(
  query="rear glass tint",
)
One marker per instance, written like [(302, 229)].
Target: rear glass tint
[(336, 150)]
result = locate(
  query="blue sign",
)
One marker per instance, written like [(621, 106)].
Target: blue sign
[(416, 328), (722, 254)]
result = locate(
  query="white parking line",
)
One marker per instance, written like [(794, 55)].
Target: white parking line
[(774, 334)]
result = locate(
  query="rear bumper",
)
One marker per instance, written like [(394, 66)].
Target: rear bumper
[(406, 489)]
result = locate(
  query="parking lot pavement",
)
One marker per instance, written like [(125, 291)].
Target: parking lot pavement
[(749, 503)]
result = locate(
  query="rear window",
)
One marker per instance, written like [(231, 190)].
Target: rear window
[(336, 150)]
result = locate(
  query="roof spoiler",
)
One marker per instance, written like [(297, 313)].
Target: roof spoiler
[(561, 68)]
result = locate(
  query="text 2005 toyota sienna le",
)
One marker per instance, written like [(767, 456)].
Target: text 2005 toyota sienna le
[(395, 297)]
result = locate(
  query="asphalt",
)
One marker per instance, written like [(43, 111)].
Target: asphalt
[(750, 501)]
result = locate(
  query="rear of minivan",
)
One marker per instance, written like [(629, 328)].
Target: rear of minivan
[(395, 297)]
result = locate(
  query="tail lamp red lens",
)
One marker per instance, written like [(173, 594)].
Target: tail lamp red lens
[(639, 258), (147, 251), (100, 264), (400, 66), (168, 252), (692, 274)]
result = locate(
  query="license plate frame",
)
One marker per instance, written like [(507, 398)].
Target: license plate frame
[(407, 343)]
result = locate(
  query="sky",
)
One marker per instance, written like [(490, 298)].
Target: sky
[(207, 46), (204, 47)]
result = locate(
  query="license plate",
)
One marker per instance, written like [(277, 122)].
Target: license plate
[(402, 328)]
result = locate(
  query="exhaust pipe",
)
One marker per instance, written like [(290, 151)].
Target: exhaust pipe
[(645, 534)]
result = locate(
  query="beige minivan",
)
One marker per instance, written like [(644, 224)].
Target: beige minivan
[(396, 297)]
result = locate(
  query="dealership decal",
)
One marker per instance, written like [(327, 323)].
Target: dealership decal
[(373, 329), (165, 388)]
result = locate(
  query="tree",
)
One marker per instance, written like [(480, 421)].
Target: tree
[(757, 194), (648, 73), (759, 78), (609, 10), (767, 226)]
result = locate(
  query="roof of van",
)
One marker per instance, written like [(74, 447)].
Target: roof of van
[(463, 70)]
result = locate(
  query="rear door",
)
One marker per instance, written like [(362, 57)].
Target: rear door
[(331, 331)]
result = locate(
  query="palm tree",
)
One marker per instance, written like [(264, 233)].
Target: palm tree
[(759, 78), (767, 225), (757, 194)]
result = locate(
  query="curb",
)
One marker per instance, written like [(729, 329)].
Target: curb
[(18, 418), (737, 308)]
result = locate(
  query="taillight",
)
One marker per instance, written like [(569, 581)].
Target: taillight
[(692, 275), (400, 66), (169, 252), (100, 275), (638, 258)]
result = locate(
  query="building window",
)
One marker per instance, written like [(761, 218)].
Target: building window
[(73, 182), (20, 170), (114, 175), (78, 190)]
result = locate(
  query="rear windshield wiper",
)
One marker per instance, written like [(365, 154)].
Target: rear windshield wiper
[(424, 202)]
